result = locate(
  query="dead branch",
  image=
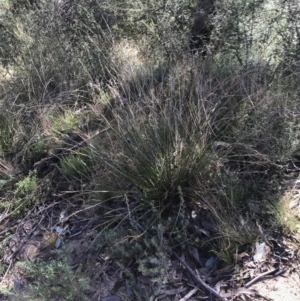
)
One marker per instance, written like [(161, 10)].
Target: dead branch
[(189, 295), (260, 276), (199, 280)]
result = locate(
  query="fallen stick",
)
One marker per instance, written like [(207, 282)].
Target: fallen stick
[(199, 280), (259, 276), (189, 295)]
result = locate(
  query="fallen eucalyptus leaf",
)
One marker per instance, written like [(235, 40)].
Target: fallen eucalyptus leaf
[(194, 252), (129, 290), (62, 215), (57, 242), (59, 230), (210, 261), (203, 231), (261, 253), (217, 286)]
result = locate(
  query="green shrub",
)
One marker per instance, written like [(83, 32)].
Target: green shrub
[(16, 202), (63, 122), (157, 156), (54, 279), (11, 134), (36, 148), (26, 186), (77, 166)]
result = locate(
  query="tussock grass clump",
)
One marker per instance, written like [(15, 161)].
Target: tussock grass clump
[(188, 151), (194, 143), (159, 145)]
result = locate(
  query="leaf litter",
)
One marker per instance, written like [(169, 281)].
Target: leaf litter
[(267, 270)]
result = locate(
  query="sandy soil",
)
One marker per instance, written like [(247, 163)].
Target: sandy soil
[(280, 288)]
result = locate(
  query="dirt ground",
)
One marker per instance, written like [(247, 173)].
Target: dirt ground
[(280, 288)]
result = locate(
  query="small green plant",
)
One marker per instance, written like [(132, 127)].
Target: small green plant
[(63, 121), (54, 279), (150, 258), (36, 149), (77, 165), (284, 216), (226, 249), (23, 195), (26, 186), (11, 134), (101, 97)]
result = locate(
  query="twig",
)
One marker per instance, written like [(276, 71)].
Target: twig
[(7, 270), (189, 295), (259, 276), (199, 280)]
